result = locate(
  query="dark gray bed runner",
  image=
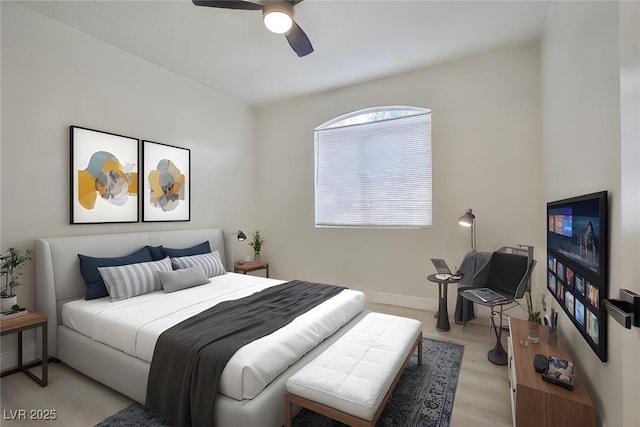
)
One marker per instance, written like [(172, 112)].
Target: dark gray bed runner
[(189, 357)]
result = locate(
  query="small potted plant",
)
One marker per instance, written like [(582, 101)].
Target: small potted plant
[(256, 244), (11, 269)]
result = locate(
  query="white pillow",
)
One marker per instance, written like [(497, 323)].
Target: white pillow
[(129, 280), (211, 263), (184, 278)]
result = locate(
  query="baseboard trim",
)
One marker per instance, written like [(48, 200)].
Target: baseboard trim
[(482, 313), (402, 300), (9, 358)]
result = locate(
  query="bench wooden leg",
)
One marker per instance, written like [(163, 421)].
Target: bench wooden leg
[(420, 349), (288, 421)]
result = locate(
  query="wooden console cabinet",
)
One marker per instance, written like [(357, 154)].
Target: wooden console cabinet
[(537, 403)]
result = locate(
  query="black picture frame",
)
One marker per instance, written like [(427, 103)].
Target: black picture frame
[(103, 177), (165, 183)]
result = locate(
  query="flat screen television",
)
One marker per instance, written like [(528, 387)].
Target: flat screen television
[(577, 263)]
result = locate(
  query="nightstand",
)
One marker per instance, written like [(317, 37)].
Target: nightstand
[(250, 266), (31, 320)]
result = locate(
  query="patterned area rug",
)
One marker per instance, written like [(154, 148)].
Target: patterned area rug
[(423, 396)]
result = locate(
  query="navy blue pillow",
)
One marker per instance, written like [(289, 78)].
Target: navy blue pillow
[(92, 279), (202, 248), (156, 253)]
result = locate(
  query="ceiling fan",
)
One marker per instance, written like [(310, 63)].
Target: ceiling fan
[(277, 16)]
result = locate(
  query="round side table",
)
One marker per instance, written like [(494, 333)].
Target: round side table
[(443, 312)]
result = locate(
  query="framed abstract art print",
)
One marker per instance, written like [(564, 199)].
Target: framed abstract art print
[(166, 183), (104, 177)]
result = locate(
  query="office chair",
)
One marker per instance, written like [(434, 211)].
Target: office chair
[(507, 273)]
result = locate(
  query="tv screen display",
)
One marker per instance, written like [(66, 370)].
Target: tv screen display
[(577, 260)]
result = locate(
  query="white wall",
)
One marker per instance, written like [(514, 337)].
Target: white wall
[(630, 221), (581, 70), (54, 76), (486, 155)]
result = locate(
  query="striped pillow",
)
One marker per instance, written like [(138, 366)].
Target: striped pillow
[(211, 263), (129, 280)]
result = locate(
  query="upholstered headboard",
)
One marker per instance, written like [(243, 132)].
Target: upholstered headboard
[(58, 278)]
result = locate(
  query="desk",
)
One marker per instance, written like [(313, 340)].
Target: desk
[(443, 312), (250, 266), (31, 320)]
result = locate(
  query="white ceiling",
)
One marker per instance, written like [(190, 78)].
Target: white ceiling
[(354, 41)]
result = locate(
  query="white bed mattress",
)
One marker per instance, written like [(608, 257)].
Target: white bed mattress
[(134, 325)]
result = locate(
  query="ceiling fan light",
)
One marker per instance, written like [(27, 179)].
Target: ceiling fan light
[(278, 17)]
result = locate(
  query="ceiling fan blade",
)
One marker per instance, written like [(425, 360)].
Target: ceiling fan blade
[(229, 4), (299, 41)]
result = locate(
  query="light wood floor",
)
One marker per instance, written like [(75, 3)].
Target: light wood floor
[(482, 397)]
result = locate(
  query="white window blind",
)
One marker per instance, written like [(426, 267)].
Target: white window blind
[(376, 173)]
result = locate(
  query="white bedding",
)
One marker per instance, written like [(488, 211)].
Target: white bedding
[(134, 325)]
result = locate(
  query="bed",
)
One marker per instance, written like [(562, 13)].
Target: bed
[(112, 342)]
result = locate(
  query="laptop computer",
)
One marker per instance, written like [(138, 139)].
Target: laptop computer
[(486, 294), (441, 266)]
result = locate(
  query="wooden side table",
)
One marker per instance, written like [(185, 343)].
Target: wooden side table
[(250, 266), (31, 320)]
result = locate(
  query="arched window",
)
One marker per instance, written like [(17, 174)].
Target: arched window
[(373, 169)]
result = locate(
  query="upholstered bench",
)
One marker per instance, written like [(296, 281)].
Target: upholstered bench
[(352, 380)]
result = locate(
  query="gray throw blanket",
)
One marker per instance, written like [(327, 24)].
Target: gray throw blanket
[(189, 357), (471, 264)]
